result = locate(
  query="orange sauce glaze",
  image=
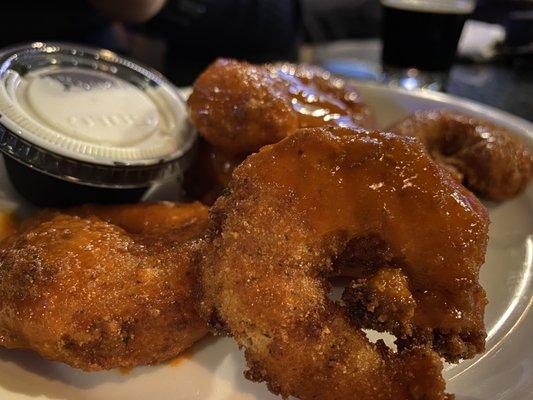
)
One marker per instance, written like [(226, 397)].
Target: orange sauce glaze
[(314, 106), (186, 355), (8, 223)]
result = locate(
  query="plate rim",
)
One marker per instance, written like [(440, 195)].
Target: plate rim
[(524, 128)]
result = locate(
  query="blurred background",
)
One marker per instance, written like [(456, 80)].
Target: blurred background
[(181, 37)]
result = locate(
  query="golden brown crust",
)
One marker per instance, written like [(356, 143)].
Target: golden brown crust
[(240, 107), (97, 294), (488, 158), (382, 302), (293, 213)]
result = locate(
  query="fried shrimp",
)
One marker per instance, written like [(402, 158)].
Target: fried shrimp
[(240, 107), (295, 210), (486, 157), (100, 287)]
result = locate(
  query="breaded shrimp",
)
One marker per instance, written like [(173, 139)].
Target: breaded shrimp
[(101, 287), (487, 158), (239, 107), (295, 210)]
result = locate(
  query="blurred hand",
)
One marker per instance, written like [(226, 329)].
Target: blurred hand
[(135, 11)]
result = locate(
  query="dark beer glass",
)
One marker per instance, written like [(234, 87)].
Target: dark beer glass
[(420, 40)]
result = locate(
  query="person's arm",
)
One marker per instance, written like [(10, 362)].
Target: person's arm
[(134, 11)]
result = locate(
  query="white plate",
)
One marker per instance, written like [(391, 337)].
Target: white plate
[(214, 370)]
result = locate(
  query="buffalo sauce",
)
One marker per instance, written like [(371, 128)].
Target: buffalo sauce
[(8, 224)]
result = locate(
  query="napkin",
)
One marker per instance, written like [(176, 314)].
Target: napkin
[(479, 40)]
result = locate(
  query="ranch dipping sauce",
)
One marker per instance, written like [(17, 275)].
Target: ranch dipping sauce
[(83, 125)]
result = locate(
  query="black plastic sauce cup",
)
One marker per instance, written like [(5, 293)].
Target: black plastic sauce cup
[(82, 125)]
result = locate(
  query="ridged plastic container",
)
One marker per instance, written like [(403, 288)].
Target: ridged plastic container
[(80, 125)]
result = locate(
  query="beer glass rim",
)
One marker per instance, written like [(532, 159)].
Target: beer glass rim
[(434, 6)]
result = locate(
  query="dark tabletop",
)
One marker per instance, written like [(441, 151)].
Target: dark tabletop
[(503, 83)]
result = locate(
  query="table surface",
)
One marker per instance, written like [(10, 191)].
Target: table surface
[(501, 85)]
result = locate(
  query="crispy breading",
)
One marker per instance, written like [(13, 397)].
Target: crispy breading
[(99, 287), (293, 212), (488, 159)]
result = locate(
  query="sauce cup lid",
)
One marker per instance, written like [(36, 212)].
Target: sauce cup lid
[(90, 116)]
